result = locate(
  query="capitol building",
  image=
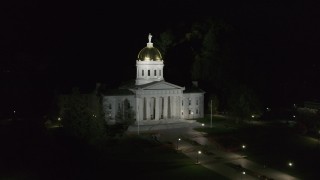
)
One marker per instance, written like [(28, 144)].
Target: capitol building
[(150, 99)]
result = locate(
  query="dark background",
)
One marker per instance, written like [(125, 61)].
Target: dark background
[(51, 47)]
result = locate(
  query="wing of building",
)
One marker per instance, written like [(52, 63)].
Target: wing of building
[(151, 99)]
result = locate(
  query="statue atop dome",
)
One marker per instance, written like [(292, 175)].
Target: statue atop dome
[(149, 37)]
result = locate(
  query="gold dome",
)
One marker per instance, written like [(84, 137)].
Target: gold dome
[(149, 53)]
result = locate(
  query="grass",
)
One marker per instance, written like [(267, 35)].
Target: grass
[(36, 154), (274, 145)]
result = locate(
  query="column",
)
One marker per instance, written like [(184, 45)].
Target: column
[(174, 107), (137, 110), (170, 107), (157, 107), (165, 107), (179, 107), (152, 106), (147, 108), (161, 104), (141, 108)]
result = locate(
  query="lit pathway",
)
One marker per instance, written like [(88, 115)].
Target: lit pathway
[(224, 163)]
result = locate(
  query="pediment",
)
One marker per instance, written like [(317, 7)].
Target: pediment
[(162, 85)]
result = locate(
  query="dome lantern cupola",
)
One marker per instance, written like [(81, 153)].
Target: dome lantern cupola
[(149, 64), (149, 53)]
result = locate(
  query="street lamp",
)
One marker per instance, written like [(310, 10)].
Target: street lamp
[(192, 114), (14, 114), (319, 138), (178, 143), (199, 152), (243, 148), (242, 174), (202, 124), (211, 115), (290, 164)]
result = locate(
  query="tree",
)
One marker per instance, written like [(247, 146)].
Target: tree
[(211, 61), (211, 51), (243, 102), (125, 114), (83, 117), (164, 42), (309, 119), (213, 104)]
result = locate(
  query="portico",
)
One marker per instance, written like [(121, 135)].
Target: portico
[(159, 101)]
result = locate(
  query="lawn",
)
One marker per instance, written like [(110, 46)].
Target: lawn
[(29, 153), (272, 144)]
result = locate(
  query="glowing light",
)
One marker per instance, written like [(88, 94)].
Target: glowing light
[(147, 58), (178, 143), (293, 116), (243, 146), (202, 124), (252, 116), (199, 152), (59, 118), (290, 164), (243, 172)]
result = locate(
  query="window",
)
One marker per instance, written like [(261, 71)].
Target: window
[(142, 72), (197, 111), (182, 102), (189, 102), (197, 102), (182, 113), (110, 107), (148, 72), (159, 72), (155, 72), (189, 111)]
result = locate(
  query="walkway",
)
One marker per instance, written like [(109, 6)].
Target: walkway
[(230, 165)]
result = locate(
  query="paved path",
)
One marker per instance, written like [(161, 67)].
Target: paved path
[(230, 165)]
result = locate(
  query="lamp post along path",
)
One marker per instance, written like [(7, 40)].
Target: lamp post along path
[(211, 115), (178, 143), (199, 152), (243, 148)]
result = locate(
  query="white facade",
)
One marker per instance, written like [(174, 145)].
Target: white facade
[(151, 98)]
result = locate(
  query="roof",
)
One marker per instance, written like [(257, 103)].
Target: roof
[(117, 92), (193, 89)]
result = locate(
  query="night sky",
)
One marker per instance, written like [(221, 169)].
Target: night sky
[(50, 47)]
